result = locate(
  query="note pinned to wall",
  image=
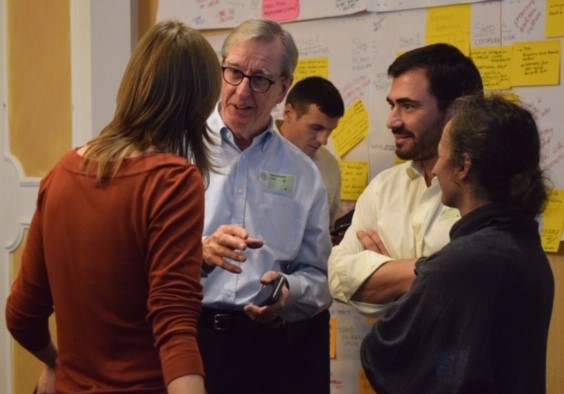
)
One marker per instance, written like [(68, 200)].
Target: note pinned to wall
[(385, 6), (553, 221), (536, 63), (450, 24), (333, 338), (312, 67), (352, 129), (280, 11), (554, 18), (354, 175), (494, 64)]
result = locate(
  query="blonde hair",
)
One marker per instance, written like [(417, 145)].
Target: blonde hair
[(170, 86)]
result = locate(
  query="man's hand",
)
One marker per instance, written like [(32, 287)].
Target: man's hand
[(372, 241), (228, 242), (269, 314)]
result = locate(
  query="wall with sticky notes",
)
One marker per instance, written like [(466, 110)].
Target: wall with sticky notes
[(516, 44)]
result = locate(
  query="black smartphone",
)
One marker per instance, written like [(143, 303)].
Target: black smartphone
[(342, 223), (341, 228), (270, 292)]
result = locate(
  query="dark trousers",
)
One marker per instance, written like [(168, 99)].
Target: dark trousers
[(309, 342), (244, 357), (248, 358)]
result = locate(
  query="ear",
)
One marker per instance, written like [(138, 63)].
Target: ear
[(286, 84), (289, 110), (464, 169)]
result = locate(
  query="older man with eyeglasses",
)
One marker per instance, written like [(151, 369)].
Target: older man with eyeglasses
[(266, 216)]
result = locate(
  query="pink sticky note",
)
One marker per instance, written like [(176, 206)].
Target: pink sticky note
[(281, 10)]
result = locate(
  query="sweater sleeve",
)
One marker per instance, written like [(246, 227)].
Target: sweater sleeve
[(30, 303), (174, 258)]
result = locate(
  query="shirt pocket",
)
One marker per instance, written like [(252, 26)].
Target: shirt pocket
[(284, 220)]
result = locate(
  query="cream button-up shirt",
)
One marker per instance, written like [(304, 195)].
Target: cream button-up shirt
[(408, 216)]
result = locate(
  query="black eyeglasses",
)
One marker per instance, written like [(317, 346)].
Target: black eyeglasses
[(234, 76)]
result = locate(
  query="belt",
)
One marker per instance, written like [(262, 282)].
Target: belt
[(229, 320)]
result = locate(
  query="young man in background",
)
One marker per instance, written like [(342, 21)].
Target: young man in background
[(312, 111)]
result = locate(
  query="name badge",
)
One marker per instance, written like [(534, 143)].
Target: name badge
[(278, 182)]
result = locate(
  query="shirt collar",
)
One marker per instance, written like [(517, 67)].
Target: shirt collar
[(260, 140), (414, 172)]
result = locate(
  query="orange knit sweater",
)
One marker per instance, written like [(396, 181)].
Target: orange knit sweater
[(120, 265)]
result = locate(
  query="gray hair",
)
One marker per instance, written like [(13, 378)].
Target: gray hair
[(267, 31)]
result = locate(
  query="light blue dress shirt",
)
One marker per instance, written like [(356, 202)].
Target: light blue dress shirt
[(275, 191)]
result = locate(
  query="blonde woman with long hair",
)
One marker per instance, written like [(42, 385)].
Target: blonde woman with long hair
[(115, 246)]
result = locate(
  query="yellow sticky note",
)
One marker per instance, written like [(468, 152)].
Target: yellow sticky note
[(354, 178), (448, 20), (312, 67), (553, 221), (536, 63), (494, 64), (364, 386), (352, 128), (333, 338), (554, 18)]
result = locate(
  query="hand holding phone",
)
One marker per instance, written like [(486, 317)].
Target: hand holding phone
[(270, 292)]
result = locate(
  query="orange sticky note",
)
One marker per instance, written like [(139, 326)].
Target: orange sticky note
[(333, 338)]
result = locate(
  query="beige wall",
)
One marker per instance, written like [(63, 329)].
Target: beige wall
[(39, 114), (38, 35)]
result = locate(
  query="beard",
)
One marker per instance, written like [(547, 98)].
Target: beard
[(417, 153), (424, 146)]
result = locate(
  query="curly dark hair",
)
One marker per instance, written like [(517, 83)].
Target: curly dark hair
[(502, 140)]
